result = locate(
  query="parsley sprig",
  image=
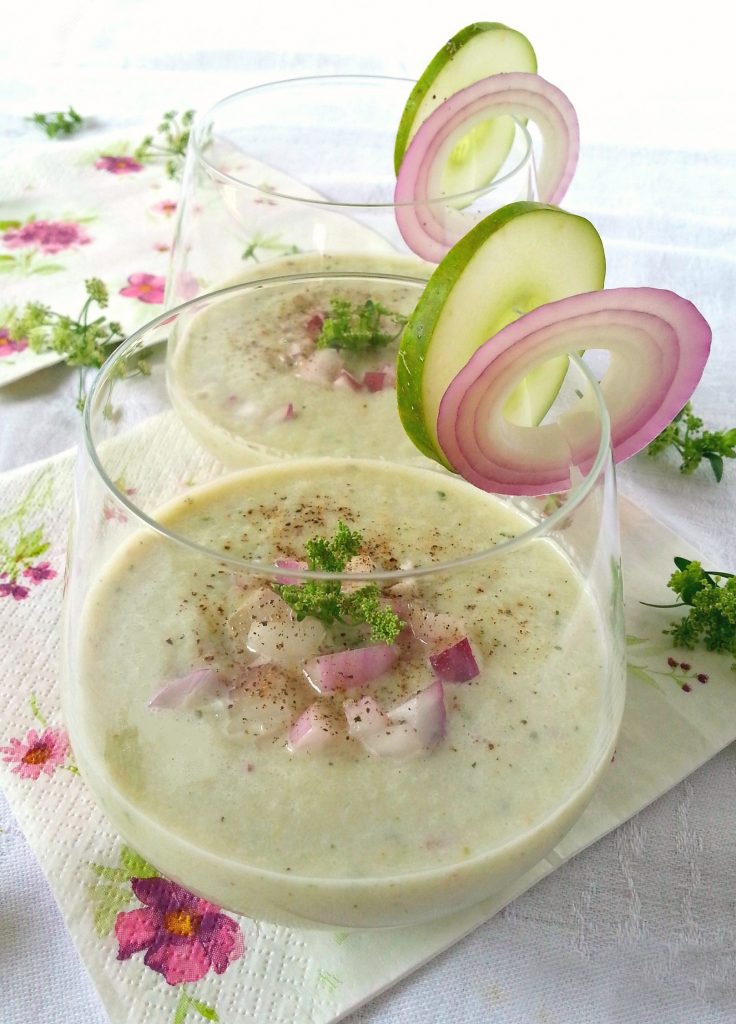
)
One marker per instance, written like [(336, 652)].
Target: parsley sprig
[(686, 435), (82, 342), (358, 328), (170, 142), (58, 122), (712, 618), (325, 599)]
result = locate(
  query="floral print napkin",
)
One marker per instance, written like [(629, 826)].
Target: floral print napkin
[(74, 210), (160, 955)]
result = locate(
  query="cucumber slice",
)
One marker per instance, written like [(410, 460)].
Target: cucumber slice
[(518, 258), (477, 51)]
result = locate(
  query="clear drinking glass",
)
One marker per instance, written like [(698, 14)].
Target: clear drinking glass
[(300, 175), (309, 772)]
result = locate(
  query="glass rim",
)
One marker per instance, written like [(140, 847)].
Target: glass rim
[(575, 496), (467, 197)]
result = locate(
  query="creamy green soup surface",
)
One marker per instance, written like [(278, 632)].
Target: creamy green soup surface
[(214, 795), (249, 379)]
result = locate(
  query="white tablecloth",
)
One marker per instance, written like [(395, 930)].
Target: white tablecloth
[(640, 928)]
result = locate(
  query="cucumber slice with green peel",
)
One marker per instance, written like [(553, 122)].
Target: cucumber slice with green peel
[(477, 158), (477, 51), (518, 258)]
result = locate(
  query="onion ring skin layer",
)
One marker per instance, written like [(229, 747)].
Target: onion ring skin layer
[(659, 344), (431, 226)]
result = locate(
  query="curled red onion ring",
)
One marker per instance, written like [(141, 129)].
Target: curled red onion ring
[(429, 226), (659, 344)]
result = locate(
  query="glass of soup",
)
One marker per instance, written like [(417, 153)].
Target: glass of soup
[(305, 168), (309, 674)]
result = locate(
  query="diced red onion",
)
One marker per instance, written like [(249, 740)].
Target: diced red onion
[(289, 563), (346, 670), (429, 226), (424, 712), (455, 664), (252, 411), (375, 380), (413, 727), (322, 367), (279, 415), (659, 345), (365, 717), (314, 326), (196, 688), (345, 379), (312, 732)]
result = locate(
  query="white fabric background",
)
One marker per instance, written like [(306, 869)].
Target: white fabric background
[(642, 927)]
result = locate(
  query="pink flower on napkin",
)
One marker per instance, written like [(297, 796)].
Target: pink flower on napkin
[(13, 589), (47, 235), (145, 287), (166, 206), (38, 754), (40, 572), (184, 935), (118, 164), (9, 346)]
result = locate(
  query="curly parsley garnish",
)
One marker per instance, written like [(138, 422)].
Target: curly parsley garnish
[(358, 328), (169, 144), (325, 599), (81, 342), (693, 444), (58, 122), (712, 619)]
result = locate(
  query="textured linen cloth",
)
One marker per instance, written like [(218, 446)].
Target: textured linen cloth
[(640, 927)]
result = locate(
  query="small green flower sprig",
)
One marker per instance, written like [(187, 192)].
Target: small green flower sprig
[(169, 144), (358, 328), (325, 599), (58, 122), (693, 444), (80, 342), (712, 618)]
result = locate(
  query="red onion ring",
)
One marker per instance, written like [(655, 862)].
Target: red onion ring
[(430, 227), (659, 345)]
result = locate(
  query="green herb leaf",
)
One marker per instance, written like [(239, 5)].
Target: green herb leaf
[(170, 143), (693, 444), (358, 328), (712, 618), (58, 122), (80, 342), (325, 599)]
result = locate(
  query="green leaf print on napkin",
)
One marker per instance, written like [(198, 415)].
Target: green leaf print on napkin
[(111, 891), (187, 1003), (21, 544)]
